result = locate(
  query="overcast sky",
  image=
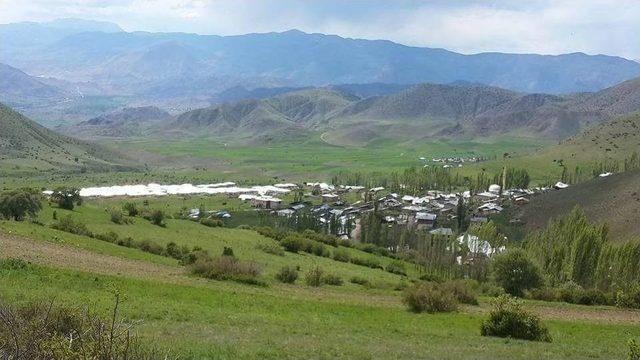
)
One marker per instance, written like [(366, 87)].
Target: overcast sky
[(520, 26)]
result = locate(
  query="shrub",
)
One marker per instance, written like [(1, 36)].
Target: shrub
[(592, 297), (66, 197), (341, 255), (13, 264), (628, 298), (227, 268), (212, 222), (131, 209), (462, 291), (68, 224), (293, 243), (432, 278), (396, 267), (515, 272), (509, 319), (18, 204), (368, 262), (360, 281), (151, 247), (429, 297), (634, 350), (48, 331), (271, 249), (332, 279), (272, 233), (314, 277), (156, 217), (172, 250), (227, 251), (117, 218), (318, 249), (110, 236), (569, 291), (287, 274)]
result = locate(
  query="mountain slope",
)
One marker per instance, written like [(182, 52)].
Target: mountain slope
[(614, 200), (25, 144), (121, 123), (17, 87), (134, 62)]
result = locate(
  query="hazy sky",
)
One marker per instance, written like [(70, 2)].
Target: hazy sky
[(523, 26)]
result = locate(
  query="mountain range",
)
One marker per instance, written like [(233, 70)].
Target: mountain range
[(417, 112), (190, 70)]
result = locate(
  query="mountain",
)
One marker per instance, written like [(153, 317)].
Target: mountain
[(17, 87), (418, 112), (133, 63), (121, 123), (27, 145)]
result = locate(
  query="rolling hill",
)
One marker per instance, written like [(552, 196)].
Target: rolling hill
[(17, 87), (27, 145), (419, 112)]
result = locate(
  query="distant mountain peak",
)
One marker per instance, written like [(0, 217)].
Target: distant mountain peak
[(84, 25)]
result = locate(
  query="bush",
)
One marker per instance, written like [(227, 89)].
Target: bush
[(368, 262), (332, 279), (18, 204), (227, 251), (156, 217), (212, 222), (509, 319), (13, 264), (429, 297), (341, 255), (318, 249), (271, 233), (227, 268), (396, 267), (360, 281), (432, 278), (287, 275), (293, 243), (131, 209), (151, 247), (314, 277), (634, 350), (462, 291), (628, 298), (66, 197), (271, 249), (68, 224), (117, 217), (515, 272), (48, 331)]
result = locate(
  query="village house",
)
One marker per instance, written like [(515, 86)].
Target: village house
[(329, 198), (424, 220), (266, 202), (442, 232)]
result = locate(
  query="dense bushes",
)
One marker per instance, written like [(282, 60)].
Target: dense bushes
[(47, 331), (341, 255), (287, 274), (332, 279), (271, 249), (429, 297), (360, 281), (396, 267), (509, 319), (66, 198), (572, 293), (314, 277), (227, 268), (212, 222), (18, 204), (368, 262), (515, 272), (130, 208), (462, 290), (156, 217), (70, 225)]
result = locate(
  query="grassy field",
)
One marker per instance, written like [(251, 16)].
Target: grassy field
[(314, 159), (205, 319)]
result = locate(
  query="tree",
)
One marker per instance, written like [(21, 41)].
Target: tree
[(515, 272), (67, 197), (17, 204)]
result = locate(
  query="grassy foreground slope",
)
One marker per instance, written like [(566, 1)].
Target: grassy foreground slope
[(206, 319)]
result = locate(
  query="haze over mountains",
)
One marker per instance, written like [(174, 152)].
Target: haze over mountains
[(177, 68)]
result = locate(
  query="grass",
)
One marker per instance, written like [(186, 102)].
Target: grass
[(217, 322)]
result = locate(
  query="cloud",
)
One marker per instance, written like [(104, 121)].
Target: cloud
[(536, 26)]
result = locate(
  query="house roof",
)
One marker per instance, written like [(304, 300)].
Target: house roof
[(425, 216), (441, 231)]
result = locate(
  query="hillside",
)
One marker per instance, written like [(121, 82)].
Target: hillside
[(25, 145), (121, 123), (614, 200), (17, 87)]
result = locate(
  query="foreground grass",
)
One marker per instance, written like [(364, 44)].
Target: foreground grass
[(207, 322)]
